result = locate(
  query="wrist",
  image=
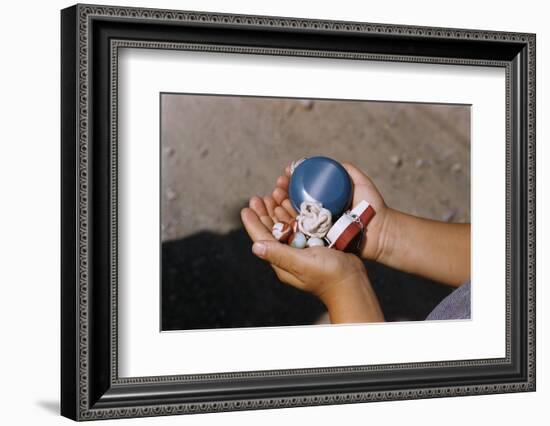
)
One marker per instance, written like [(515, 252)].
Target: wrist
[(352, 300), (380, 236)]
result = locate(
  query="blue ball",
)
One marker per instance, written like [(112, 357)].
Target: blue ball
[(323, 180)]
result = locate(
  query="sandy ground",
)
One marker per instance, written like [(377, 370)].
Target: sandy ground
[(219, 151)]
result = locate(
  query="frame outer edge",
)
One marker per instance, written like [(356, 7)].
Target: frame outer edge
[(81, 184), (531, 213), (83, 209), (69, 281)]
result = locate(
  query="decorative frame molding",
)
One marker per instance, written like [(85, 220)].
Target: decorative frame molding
[(91, 388)]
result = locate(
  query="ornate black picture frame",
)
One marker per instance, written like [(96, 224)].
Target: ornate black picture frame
[(90, 38)]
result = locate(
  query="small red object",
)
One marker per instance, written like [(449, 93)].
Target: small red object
[(293, 225), (350, 226)]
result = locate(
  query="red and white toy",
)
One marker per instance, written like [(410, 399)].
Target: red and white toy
[(350, 226)]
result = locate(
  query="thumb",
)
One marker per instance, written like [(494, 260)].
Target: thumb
[(357, 176), (285, 257)]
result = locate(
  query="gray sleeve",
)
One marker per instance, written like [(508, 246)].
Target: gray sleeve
[(455, 306)]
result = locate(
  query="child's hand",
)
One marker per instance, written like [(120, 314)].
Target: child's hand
[(339, 279), (436, 250), (363, 189)]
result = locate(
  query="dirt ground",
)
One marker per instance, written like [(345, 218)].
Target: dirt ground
[(218, 151)]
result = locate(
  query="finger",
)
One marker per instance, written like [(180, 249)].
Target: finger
[(287, 205), (270, 205), (282, 215), (267, 221), (279, 195), (287, 170), (357, 176), (293, 260), (258, 205), (255, 228), (282, 182)]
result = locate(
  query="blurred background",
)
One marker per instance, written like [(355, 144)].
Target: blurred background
[(218, 151)]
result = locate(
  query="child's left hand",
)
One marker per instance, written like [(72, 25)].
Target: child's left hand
[(339, 279)]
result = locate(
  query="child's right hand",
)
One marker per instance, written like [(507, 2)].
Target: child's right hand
[(374, 245)]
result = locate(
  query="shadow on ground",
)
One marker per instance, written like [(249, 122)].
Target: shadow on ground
[(214, 281), (51, 407)]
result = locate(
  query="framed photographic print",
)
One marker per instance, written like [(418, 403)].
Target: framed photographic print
[(263, 212)]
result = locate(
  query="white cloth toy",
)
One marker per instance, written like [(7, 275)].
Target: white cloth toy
[(314, 220)]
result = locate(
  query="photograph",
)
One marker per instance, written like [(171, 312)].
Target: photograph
[(301, 212)]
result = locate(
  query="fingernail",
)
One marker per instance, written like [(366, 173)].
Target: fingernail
[(259, 249)]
